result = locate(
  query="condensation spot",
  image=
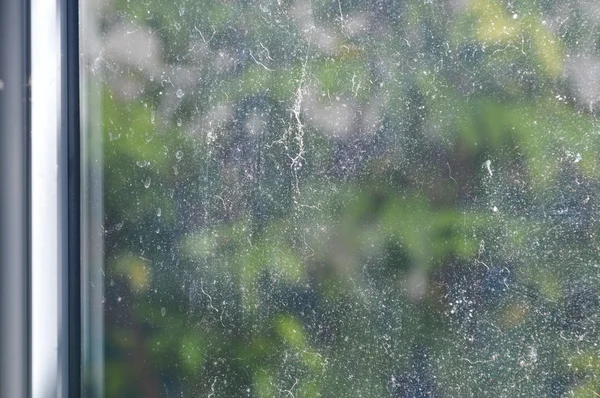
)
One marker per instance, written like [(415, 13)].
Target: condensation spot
[(113, 136), (488, 166)]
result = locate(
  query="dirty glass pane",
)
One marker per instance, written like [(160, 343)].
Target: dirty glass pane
[(347, 198)]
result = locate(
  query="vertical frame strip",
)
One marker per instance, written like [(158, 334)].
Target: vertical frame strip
[(55, 222), (14, 199), (72, 104), (50, 339), (92, 209)]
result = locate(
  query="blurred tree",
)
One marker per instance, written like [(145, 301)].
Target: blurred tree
[(351, 198)]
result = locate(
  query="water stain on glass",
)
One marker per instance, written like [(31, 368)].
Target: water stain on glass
[(378, 198)]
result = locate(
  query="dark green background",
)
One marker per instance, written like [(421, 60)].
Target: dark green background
[(350, 198)]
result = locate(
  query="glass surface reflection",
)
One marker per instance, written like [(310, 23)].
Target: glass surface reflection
[(349, 198)]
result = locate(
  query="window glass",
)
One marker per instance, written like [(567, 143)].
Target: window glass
[(347, 198)]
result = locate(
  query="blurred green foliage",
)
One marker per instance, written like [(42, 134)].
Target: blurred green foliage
[(351, 199)]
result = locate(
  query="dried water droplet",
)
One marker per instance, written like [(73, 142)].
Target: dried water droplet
[(147, 182), (158, 212), (179, 122), (179, 155), (179, 93), (113, 136), (163, 311), (152, 116), (488, 165), (141, 163)]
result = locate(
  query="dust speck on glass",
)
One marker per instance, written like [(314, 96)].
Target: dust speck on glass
[(349, 198)]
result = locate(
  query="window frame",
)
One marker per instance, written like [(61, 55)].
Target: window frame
[(14, 199), (40, 224)]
